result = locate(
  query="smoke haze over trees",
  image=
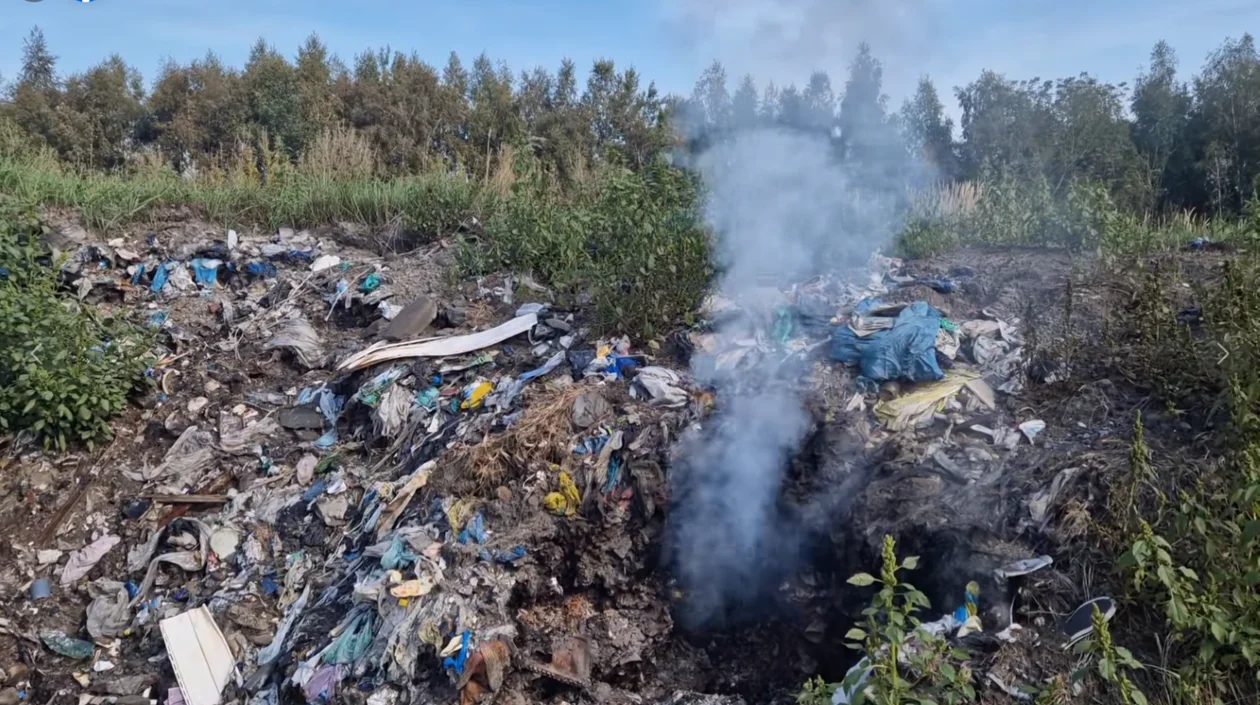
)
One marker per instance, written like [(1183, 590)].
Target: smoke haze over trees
[(1176, 138)]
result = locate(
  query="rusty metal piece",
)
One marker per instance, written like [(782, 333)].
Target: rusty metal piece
[(571, 666), (215, 486)]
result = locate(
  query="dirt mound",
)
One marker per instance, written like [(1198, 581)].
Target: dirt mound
[(498, 523)]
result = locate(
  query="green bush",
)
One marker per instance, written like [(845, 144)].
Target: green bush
[(632, 241), (1194, 550), (64, 370)]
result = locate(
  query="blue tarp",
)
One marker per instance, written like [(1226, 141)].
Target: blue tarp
[(905, 351)]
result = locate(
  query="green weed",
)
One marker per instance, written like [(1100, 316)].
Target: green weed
[(64, 370)]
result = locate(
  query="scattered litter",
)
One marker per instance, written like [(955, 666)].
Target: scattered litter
[(906, 349), (441, 347), (324, 262), (41, 589), (109, 613), (67, 646), (1080, 623), (297, 335), (660, 386), (1023, 567), (1030, 429), (199, 655), (919, 406), (85, 559)]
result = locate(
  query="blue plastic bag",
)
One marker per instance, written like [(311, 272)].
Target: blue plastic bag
[(905, 351)]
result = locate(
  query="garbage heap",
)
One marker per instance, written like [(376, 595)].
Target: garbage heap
[(353, 482)]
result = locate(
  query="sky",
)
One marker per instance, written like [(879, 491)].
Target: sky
[(667, 41)]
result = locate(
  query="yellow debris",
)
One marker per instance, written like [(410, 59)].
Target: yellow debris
[(918, 406), (477, 396), (566, 501), (458, 514), (413, 588)]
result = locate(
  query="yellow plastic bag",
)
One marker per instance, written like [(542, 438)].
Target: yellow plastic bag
[(566, 501)]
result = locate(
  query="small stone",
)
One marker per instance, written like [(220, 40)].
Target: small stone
[(306, 469), (455, 316), (559, 324), (299, 417), (412, 320), (223, 541), (212, 386)]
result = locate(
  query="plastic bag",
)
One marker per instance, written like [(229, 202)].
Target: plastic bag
[(354, 640), (905, 351)]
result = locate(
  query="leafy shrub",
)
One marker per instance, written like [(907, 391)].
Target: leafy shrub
[(632, 241), (906, 664), (64, 371), (1196, 556)]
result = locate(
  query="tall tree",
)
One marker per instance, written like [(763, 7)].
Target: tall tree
[(1225, 125), (35, 94), (744, 109), (819, 103), (273, 97), (1161, 113), (101, 109), (39, 66), (315, 87), (710, 100), (929, 133), (1006, 125), (863, 118)]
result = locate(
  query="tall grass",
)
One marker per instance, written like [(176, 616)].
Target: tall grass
[(632, 241), (430, 205), (1006, 211)]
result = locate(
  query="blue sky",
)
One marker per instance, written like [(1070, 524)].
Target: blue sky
[(669, 42)]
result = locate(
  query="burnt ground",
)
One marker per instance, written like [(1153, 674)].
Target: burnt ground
[(602, 573)]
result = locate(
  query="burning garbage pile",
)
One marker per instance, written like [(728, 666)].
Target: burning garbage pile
[(352, 482)]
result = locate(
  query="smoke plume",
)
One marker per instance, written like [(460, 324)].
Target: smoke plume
[(784, 203)]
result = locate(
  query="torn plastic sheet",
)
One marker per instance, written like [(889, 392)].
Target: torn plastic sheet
[(322, 687), (85, 559), (397, 555), (160, 278), (277, 646), (190, 456), (206, 271), (370, 392), (660, 386), (192, 561), (330, 405), (905, 351), (296, 334), (108, 614), (474, 530), (390, 415), (552, 363), (354, 639)]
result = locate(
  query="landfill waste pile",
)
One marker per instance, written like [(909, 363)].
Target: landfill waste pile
[(354, 481)]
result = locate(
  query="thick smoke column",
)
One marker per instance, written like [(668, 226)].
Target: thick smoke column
[(784, 203), (783, 207)]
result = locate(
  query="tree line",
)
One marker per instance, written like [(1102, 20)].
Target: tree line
[(1163, 143)]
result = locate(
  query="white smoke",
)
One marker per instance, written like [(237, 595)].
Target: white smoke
[(784, 204)]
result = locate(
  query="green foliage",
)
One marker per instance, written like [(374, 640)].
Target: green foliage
[(1113, 662), (816, 691), (907, 664), (1196, 556), (63, 371), (633, 243)]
